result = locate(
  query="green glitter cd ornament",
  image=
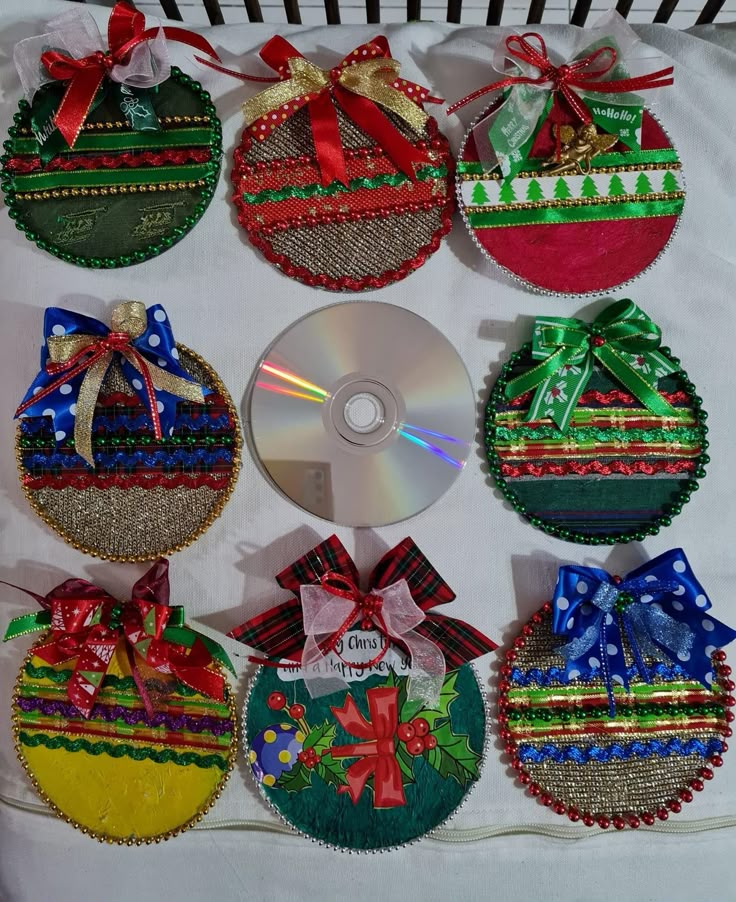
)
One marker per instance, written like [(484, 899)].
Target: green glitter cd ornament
[(107, 173), (367, 730), (593, 431)]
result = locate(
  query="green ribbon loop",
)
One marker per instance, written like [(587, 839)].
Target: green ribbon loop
[(184, 635), (27, 623), (622, 338)]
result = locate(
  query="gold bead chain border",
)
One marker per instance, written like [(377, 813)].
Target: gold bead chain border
[(632, 167), (112, 189), (103, 837), (166, 120), (577, 202), (225, 493)]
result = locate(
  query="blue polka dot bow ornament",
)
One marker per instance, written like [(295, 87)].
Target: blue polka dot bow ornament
[(659, 609), (76, 355)]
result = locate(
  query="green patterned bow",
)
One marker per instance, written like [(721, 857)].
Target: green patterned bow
[(622, 339)]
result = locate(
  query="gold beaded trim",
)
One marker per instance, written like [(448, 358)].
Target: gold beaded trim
[(164, 120), (633, 167), (577, 202), (102, 837), (112, 189), (224, 495)]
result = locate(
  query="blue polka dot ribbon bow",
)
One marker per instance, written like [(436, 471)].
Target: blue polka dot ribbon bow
[(659, 609), (77, 354)]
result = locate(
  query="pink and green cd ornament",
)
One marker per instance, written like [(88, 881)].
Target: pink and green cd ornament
[(367, 728), (615, 699), (593, 431), (114, 154), (566, 180)]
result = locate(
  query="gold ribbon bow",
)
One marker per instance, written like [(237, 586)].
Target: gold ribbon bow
[(71, 354), (372, 79)]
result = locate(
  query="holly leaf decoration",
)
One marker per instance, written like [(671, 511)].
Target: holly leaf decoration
[(321, 737), (406, 763), (452, 756), (296, 779), (331, 771), (442, 710)]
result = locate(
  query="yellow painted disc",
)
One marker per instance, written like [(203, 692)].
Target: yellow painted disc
[(116, 775)]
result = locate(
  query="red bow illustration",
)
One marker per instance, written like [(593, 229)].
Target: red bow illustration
[(584, 74), (125, 31), (87, 624), (377, 754)]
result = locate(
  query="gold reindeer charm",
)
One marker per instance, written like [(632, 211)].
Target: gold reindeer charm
[(578, 149)]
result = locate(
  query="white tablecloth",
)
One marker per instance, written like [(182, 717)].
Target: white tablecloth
[(228, 303)]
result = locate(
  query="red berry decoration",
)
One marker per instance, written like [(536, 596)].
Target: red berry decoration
[(415, 746), (296, 711), (276, 701), (405, 732), (421, 726), (430, 742)]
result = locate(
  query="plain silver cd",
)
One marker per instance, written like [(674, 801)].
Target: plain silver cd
[(362, 413)]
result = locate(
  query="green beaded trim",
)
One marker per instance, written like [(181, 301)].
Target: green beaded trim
[(598, 435), (636, 535), (103, 441), (123, 750), (152, 250), (119, 684)]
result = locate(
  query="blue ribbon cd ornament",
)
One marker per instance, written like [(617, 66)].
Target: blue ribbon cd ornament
[(661, 609)]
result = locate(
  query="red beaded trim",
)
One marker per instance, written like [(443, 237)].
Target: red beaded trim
[(131, 160), (348, 283), (618, 821), (212, 480)]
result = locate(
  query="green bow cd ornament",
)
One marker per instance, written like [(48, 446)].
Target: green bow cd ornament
[(593, 431)]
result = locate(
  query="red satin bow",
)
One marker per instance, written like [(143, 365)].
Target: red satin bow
[(87, 623), (125, 30), (583, 74), (377, 754)]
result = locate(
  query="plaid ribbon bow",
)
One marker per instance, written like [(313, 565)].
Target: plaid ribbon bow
[(278, 632)]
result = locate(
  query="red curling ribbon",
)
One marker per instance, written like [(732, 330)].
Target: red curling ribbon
[(584, 74), (87, 624), (125, 31), (322, 102), (377, 753)]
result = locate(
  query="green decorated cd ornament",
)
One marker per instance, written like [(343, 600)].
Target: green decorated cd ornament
[(593, 430), (114, 154), (367, 728)]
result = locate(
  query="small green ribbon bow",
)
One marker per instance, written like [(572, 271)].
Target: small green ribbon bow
[(622, 339)]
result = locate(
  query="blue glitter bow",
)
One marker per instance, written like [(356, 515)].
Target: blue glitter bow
[(660, 607), (76, 355)]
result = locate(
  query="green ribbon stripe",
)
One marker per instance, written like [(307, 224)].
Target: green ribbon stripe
[(536, 697), (35, 721), (532, 731), (316, 190), (641, 712), (123, 750), (581, 213), (583, 416), (96, 178), (631, 158), (28, 623), (110, 681), (130, 699), (583, 434), (161, 140)]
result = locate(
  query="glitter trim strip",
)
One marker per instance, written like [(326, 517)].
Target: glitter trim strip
[(123, 750), (537, 677), (553, 436), (605, 398), (207, 723), (316, 190), (217, 480), (130, 160), (110, 681), (179, 457), (615, 467), (582, 755)]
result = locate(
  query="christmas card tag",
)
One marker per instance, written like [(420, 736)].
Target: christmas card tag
[(128, 444), (593, 431), (566, 180), (365, 728), (122, 717), (114, 154), (614, 699)]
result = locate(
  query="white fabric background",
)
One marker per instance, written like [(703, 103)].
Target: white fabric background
[(228, 304)]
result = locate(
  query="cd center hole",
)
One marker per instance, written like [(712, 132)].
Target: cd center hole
[(363, 412)]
